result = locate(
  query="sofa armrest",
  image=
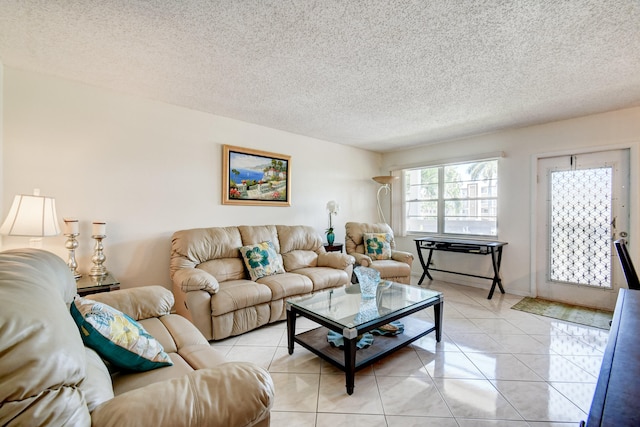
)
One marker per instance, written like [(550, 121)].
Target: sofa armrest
[(139, 303), (335, 260), (362, 259), (232, 394), (194, 279), (402, 256)]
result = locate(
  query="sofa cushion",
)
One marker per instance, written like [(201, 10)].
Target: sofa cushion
[(238, 294), (144, 302), (41, 366), (252, 234), (234, 394), (299, 259), (287, 284), (298, 237), (118, 338), (325, 277), (96, 386), (124, 380), (390, 268), (224, 269), (155, 327), (196, 279), (377, 245), (261, 260)]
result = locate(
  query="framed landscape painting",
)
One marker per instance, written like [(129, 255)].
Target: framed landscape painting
[(253, 177)]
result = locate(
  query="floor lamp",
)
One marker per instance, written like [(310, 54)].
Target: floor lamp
[(386, 181)]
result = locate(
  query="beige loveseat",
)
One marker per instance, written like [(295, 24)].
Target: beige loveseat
[(212, 286), (48, 377)]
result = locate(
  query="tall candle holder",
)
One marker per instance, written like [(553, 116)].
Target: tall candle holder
[(98, 257), (72, 244)]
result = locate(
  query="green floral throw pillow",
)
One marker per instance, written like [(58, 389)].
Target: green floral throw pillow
[(117, 337), (377, 245), (261, 260)]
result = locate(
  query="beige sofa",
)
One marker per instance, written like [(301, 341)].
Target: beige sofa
[(396, 269), (48, 377), (212, 286)]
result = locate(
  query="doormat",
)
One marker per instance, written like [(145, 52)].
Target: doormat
[(570, 313)]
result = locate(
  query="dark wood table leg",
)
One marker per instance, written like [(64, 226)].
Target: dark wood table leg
[(350, 363), (437, 314), (291, 328)]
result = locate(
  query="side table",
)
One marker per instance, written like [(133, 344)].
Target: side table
[(336, 247), (95, 284)]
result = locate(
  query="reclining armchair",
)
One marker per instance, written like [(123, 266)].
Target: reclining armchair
[(373, 245), (50, 376)]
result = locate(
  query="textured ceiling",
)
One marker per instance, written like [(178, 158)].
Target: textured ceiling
[(376, 74)]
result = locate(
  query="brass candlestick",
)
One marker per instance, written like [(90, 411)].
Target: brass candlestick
[(98, 258), (72, 244)]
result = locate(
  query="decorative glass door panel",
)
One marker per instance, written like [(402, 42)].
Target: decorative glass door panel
[(580, 232)]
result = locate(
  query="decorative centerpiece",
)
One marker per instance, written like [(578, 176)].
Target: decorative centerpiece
[(333, 208), (368, 278)]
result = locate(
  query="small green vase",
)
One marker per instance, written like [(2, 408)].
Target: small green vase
[(330, 237)]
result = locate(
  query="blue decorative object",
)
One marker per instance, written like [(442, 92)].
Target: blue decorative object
[(330, 237), (368, 279), (337, 340), (368, 311), (389, 331)]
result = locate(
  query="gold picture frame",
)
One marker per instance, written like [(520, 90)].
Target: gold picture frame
[(254, 177)]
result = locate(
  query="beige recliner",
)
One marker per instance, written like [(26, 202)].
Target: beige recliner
[(396, 269), (49, 378)]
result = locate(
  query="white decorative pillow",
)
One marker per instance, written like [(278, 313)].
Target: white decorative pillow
[(377, 245), (261, 260), (116, 337)]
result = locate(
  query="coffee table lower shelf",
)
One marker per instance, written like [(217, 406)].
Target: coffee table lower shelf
[(316, 341)]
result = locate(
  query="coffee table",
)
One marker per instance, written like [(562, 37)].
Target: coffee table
[(350, 316)]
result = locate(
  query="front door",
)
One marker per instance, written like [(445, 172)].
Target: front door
[(582, 209)]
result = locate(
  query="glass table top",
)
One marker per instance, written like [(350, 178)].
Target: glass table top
[(346, 306)]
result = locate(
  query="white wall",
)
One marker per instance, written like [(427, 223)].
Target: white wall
[(521, 147), (1, 139), (149, 169)]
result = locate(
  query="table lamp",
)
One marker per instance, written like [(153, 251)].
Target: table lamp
[(32, 216)]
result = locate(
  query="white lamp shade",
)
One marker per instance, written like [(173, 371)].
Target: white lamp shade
[(32, 216)]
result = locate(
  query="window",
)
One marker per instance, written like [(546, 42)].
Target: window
[(459, 199)]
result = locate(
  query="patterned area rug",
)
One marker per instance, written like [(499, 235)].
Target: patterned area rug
[(570, 313)]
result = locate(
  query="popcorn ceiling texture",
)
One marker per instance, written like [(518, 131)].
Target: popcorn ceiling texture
[(376, 74)]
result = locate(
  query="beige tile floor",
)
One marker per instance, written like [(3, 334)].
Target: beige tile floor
[(494, 367)]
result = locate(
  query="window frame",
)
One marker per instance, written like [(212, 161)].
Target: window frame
[(492, 200)]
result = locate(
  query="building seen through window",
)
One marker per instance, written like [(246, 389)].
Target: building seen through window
[(457, 199)]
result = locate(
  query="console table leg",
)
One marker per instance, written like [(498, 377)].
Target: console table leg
[(497, 269), (496, 272), (425, 267)]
